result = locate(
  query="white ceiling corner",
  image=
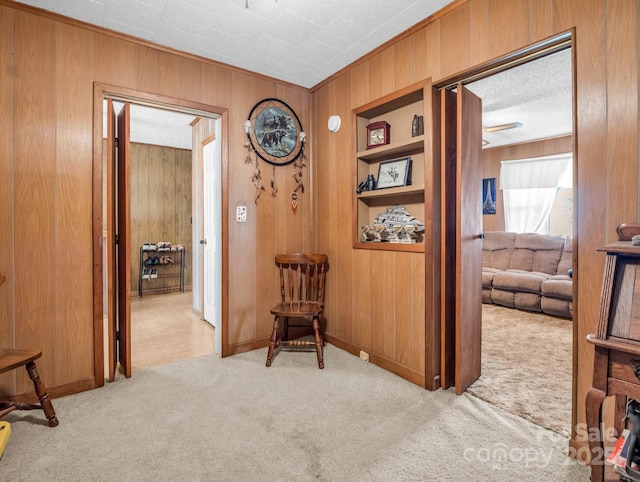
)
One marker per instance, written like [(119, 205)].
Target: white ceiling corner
[(305, 42)]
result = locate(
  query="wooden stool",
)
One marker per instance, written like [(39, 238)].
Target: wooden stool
[(12, 359)]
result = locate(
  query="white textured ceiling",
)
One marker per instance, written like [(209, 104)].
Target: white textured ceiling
[(298, 41), (305, 41), (538, 94)]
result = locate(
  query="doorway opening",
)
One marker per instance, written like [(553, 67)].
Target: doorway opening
[(159, 248), (501, 320), (164, 325)]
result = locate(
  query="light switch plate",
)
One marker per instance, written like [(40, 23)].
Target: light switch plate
[(241, 214)]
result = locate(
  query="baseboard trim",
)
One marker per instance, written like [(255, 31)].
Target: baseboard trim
[(407, 373), (248, 346), (55, 391)]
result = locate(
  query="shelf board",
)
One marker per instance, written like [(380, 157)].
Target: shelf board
[(393, 191), (403, 97), (415, 144), (412, 248)]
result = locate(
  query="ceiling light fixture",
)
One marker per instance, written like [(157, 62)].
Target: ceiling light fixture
[(503, 127)]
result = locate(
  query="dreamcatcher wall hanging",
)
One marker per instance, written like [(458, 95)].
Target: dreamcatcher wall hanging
[(276, 137)]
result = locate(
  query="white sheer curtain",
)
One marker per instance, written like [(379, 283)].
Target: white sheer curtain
[(529, 187)]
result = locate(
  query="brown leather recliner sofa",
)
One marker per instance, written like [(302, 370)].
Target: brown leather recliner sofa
[(528, 271)]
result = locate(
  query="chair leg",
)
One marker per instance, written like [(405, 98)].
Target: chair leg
[(41, 391), (285, 328), (319, 341), (273, 340)]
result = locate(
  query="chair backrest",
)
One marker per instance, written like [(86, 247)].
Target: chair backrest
[(302, 277)]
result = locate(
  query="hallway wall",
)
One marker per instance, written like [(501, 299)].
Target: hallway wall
[(463, 35), (48, 67)]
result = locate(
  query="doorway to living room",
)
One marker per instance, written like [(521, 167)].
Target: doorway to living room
[(520, 348)]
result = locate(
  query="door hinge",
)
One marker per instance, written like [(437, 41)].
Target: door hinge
[(117, 239), (115, 141), (118, 335)]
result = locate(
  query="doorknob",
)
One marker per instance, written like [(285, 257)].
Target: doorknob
[(203, 241)]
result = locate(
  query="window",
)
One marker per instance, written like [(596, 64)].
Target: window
[(530, 188)]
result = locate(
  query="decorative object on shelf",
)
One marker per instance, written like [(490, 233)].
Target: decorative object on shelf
[(369, 184), (394, 173), (417, 126), (334, 123), (378, 134), (395, 225), (275, 135), (489, 195)]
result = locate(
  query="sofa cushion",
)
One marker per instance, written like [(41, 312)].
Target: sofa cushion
[(497, 248), (556, 307), (537, 252), (558, 286), (515, 299), (566, 260), (487, 276), (486, 296), (519, 280), (504, 298)]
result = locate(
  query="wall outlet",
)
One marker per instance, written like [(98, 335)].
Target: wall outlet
[(364, 356), (241, 214)]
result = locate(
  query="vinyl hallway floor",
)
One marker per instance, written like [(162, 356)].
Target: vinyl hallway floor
[(164, 329)]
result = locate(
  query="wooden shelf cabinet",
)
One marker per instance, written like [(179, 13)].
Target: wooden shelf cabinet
[(398, 110), (616, 367)]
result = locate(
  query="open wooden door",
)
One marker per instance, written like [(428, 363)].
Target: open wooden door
[(122, 235), (461, 238), (112, 273)]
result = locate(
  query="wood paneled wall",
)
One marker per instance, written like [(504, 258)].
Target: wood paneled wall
[(160, 206), (375, 300), (492, 158), (48, 66), (464, 35)]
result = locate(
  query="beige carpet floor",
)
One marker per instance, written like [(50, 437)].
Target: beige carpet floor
[(526, 366), (232, 419)]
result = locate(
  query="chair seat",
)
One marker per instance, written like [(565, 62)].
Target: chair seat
[(302, 308), (12, 359)]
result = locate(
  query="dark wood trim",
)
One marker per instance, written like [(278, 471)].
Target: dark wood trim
[(413, 376), (433, 226), (224, 196), (550, 45), (98, 261), (248, 346), (102, 90), (56, 391)]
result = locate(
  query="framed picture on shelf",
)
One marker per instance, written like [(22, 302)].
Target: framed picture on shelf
[(394, 173)]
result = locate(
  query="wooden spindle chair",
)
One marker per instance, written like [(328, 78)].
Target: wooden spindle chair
[(10, 359), (302, 279)]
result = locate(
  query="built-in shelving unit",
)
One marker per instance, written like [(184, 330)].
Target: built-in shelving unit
[(398, 110)]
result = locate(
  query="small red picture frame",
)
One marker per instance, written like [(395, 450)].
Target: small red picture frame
[(378, 134)]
